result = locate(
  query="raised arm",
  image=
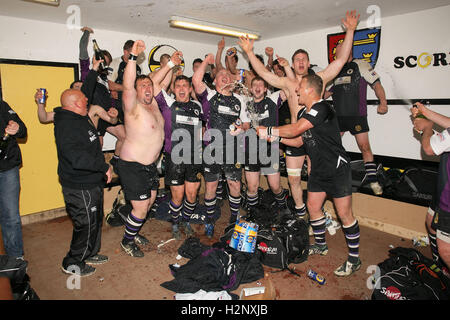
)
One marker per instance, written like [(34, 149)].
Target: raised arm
[(197, 78), (129, 76), (247, 45), (160, 78), (350, 23), (43, 115), (220, 47)]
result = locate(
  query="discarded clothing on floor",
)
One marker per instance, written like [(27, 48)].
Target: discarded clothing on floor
[(203, 295), (213, 268), (408, 275)]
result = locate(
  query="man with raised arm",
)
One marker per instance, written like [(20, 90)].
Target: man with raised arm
[(330, 170), (144, 127), (221, 108), (182, 147)]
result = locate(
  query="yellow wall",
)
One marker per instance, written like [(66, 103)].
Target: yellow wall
[(40, 188)]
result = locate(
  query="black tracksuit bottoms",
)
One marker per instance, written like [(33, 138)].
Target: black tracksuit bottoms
[(85, 208)]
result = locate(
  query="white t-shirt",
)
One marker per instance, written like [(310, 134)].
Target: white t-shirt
[(440, 142)]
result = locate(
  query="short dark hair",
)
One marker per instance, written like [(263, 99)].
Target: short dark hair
[(142, 77), (128, 45), (258, 78), (73, 83), (300, 51), (107, 55), (315, 82), (183, 77), (197, 60)]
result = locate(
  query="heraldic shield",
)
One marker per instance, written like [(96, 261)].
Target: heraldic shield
[(366, 45)]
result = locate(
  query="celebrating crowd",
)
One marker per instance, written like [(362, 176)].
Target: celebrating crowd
[(221, 122)]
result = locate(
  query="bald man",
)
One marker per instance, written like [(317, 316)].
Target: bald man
[(82, 173)]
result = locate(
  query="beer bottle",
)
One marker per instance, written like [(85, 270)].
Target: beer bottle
[(99, 54)]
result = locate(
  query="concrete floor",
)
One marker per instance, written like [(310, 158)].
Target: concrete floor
[(127, 278)]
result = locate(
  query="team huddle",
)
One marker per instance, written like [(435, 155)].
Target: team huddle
[(207, 126)]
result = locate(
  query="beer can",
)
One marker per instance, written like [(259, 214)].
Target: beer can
[(316, 277), (242, 75), (231, 51), (44, 92)]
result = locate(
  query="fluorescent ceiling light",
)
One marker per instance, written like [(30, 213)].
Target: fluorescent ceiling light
[(197, 25), (50, 2)]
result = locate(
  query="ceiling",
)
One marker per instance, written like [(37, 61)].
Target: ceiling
[(268, 17)]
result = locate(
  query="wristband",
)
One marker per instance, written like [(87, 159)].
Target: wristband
[(132, 57), (269, 131), (171, 64)]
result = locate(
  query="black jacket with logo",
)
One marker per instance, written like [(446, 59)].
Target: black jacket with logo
[(81, 161), (12, 152)]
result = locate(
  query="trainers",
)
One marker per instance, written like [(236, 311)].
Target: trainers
[(347, 268), (82, 271), (188, 229), (321, 249), (209, 230), (97, 259), (376, 188), (138, 239), (176, 232), (132, 249)]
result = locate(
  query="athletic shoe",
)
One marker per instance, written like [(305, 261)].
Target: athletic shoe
[(347, 268), (209, 230), (83, 271), (376, 188), (97, 259), (132, 249), (321, 249), (187, 229), (141, 240)]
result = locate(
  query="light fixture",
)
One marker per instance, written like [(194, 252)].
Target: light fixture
[(197, 25), (50, 2)]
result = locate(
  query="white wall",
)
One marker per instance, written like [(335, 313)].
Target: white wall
[(44, 41), (391, 134), (411, 34)]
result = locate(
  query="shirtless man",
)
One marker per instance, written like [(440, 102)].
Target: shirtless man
[(144, 126), (301, 65)]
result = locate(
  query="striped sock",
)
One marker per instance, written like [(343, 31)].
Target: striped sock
[(210, 205), (132, 227), (300, 212), (319, 229), (235, 204), (281, 199), (175, 212), (352, 237), (252, 200), (219, 190), (188, 210), (433, 246), (371, 171)]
